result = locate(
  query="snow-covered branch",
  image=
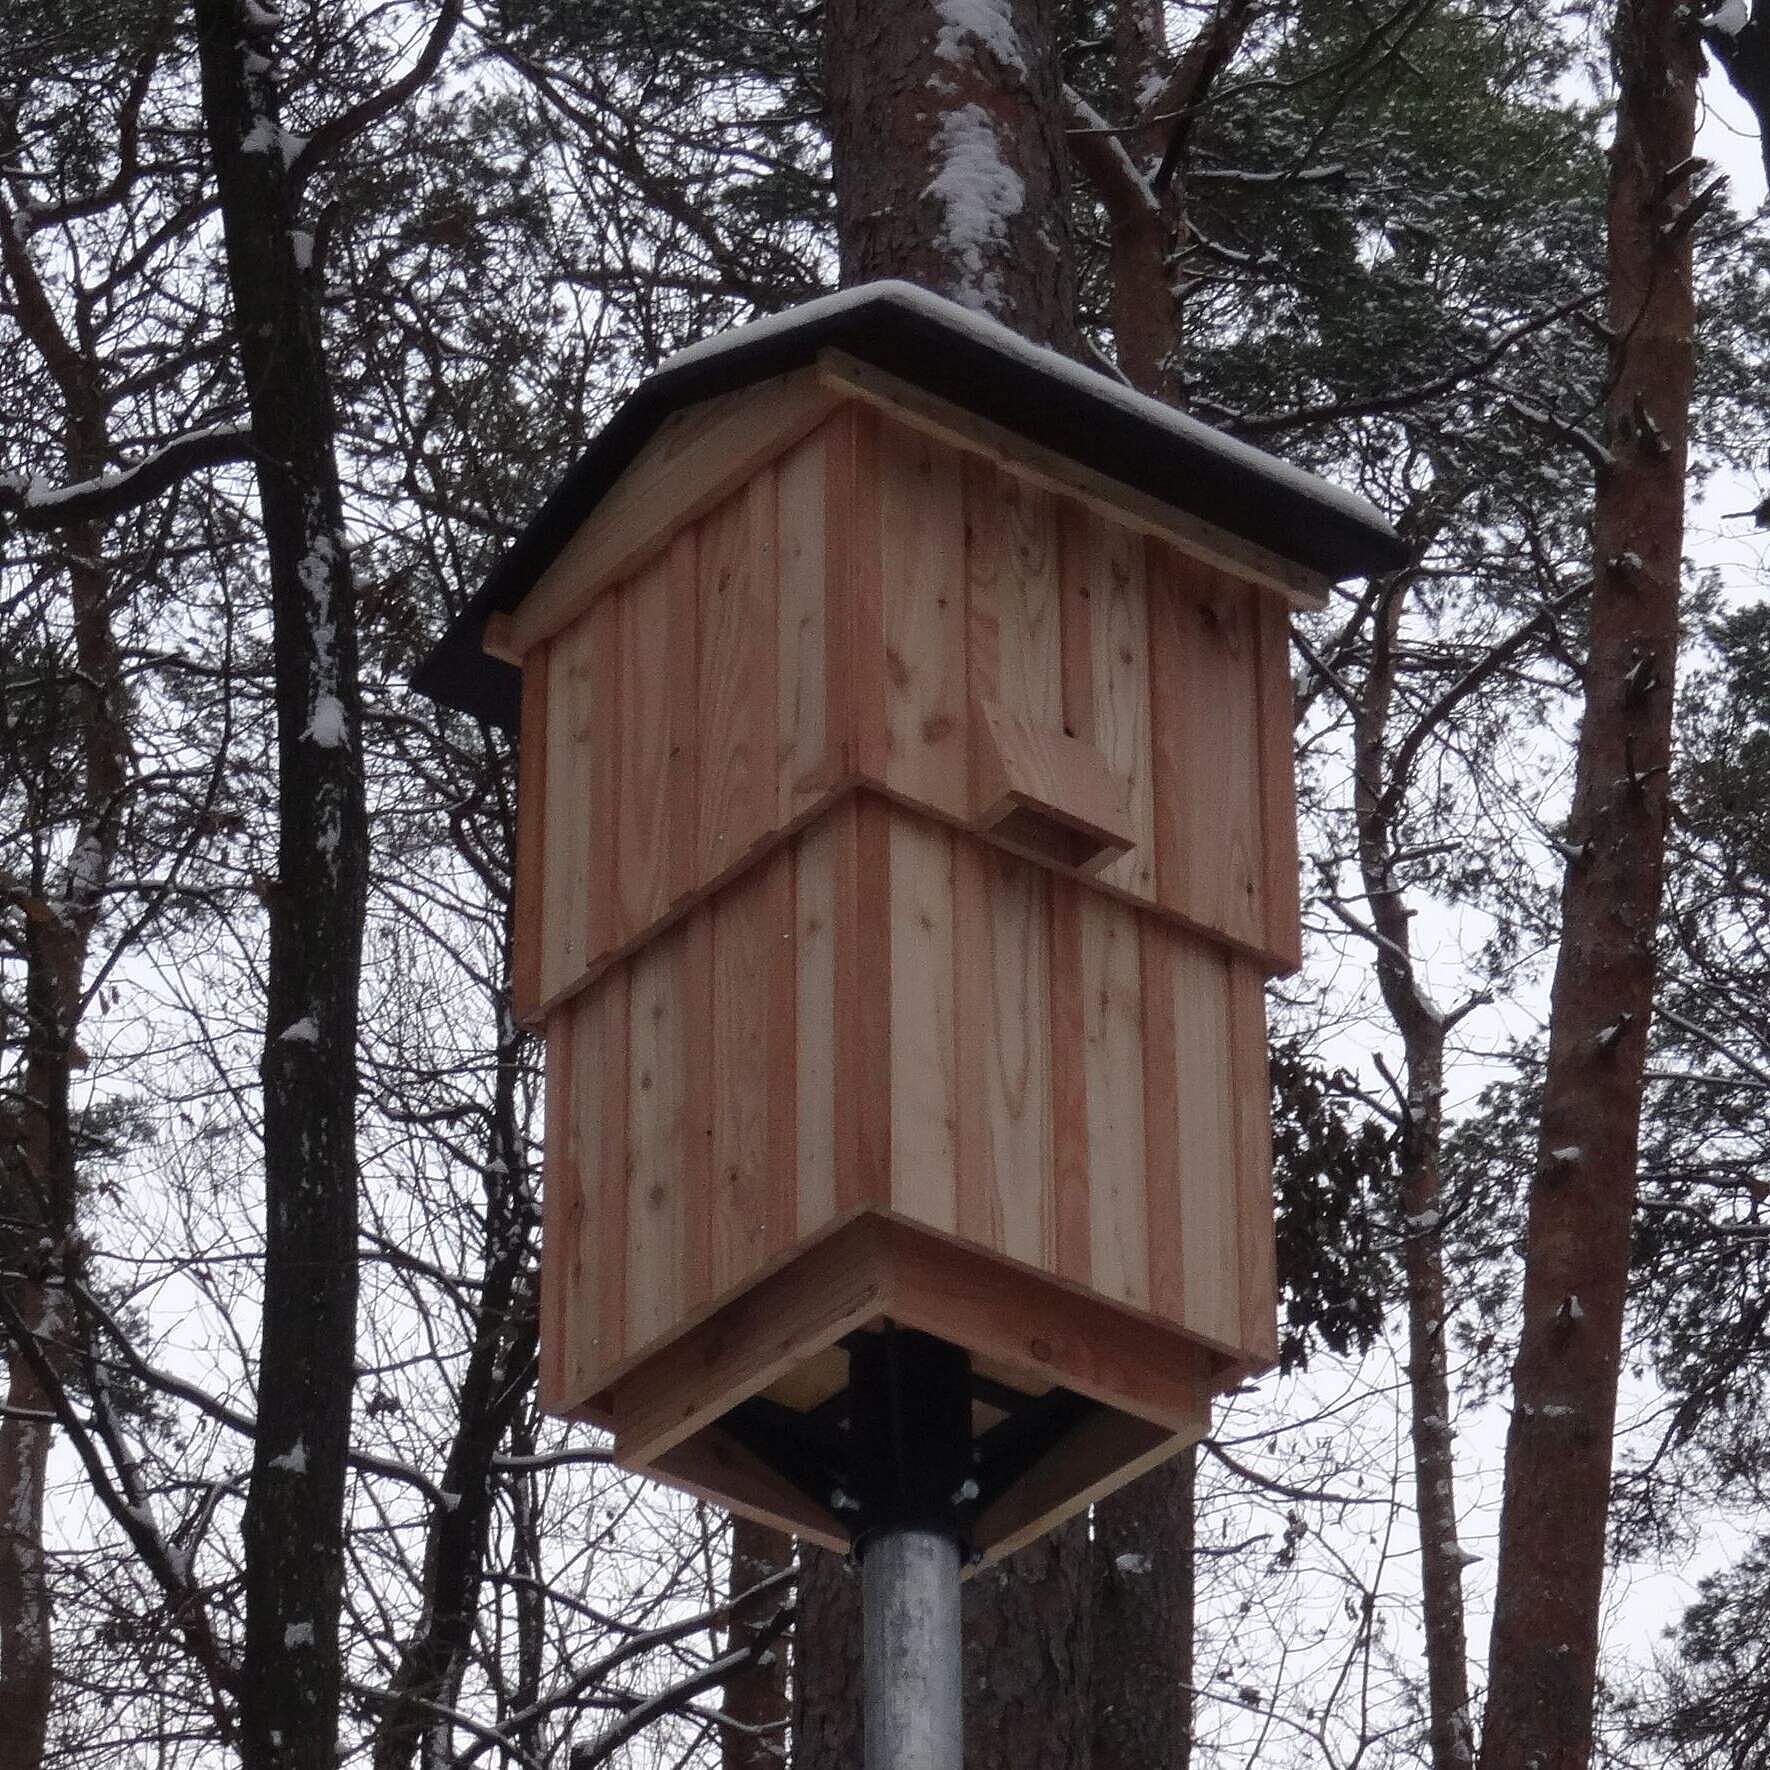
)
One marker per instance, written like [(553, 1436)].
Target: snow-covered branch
[(33, 505)]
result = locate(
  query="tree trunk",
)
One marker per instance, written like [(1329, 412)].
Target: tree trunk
[(1543, 1662), (1145, 1586), (753, 1736), (950, 170), (827, 1664), (38, 1177), (949, 158), (495, 1386), (293, 1523), (1379, 798)]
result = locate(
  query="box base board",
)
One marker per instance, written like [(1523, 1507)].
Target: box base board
[(1146, 1387)]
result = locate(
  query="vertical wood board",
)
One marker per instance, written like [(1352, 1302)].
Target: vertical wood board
[(1280, 887), (574, 732), (816, 1152), (1001, 949), (530, 857), (803, 759), (1112, 1059), (1209, 857), (922, 1077), (738, 626), (648, 872), (922, 569)]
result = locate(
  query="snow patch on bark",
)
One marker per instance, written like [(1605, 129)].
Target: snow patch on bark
[(294, 1460), (989, 22), (326, 727), (977, 193)]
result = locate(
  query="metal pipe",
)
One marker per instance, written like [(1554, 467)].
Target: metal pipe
[(910, 1617)]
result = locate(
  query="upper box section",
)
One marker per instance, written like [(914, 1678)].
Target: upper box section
[(1230, 502)]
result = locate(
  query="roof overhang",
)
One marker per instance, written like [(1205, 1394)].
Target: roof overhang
[(970, 362)]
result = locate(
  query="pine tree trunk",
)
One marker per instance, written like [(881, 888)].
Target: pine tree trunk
[(827, 1664), (293, 1523), (1543, 1662), (949, 158), (1145, 1587), (950, 170), (754, 1705)]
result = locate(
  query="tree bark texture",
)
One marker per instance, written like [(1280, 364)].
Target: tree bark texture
[(950, 162), (38, 1175), (1378, 799), (752, 1735), (293, 1522), (1145, 1586), (1543, 1661), (827, 1664), (1029, 1660)]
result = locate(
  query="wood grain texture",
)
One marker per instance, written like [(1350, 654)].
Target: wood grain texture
[(1163, 1229), (923, 1081), (1030, 1331), (864, 1002), (608, 710), (738, 625), (1274, 719), (1209, 855), (529, 860), (789, 1316), (572, 736), (1076, 527), (658, 1134), (922, 567), (854, 588), (694, 463), (738, 1200), (1297, 585), (1255, 1208), (647, 871), (1006, 1177), (1112, 1062), (602, 1101), (1119, 682), (1013, 590), (816, 1153), (1073, 1180), (1210, 1240), (804, 764), (562, 1212), (1039, 1331)]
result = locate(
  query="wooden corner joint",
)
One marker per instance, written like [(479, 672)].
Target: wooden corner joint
[(498, 640), (1046, 794)]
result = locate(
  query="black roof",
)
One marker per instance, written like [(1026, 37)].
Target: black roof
[(958, 355)]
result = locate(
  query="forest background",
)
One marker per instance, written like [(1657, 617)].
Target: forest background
[(301, 309)]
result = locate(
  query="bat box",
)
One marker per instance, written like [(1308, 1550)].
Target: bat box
[(906, 834)]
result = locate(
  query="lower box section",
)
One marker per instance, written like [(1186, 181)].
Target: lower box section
[(1071, 1395)]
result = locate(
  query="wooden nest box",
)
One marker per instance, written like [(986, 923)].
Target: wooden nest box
[(906, 833)]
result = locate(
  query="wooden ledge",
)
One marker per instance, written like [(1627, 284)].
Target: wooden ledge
[(1023, 1328)]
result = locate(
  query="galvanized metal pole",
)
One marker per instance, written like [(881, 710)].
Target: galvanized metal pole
[(911, 1648)]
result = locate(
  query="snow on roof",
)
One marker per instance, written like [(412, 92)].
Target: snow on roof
[(1091, 383), (957, 354)]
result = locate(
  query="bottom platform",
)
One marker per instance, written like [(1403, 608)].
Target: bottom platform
[(1070, 1395)]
